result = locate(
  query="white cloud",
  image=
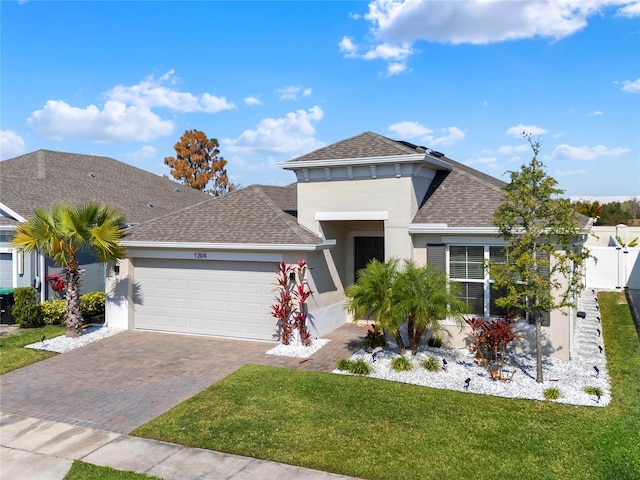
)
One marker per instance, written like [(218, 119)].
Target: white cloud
[(115, 121), (347, 47), (519, 130), (482, 21), (595, 114), (417, 131), (152, 92), (144, 153), (11, 144), (509, 149), (395, 68), (631, 10), (452, 135), (388, 52), (631, 86), (410, 130), (251, 101), (586, 152), (292, 134), (486, 162), (292, 92)]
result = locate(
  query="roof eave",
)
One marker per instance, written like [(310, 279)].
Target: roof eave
[(342, 162), (443, 228), (279, 247)]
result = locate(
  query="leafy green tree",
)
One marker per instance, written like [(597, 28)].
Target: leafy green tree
[(372, 295), (540, 230), (424, 297), (613, 213), (65, 231), (198, 162)]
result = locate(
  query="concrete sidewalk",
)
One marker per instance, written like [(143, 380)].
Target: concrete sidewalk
[(42, 449)]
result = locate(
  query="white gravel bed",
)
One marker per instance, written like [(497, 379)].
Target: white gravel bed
[(63, 344), (299, 350), (569, 377)]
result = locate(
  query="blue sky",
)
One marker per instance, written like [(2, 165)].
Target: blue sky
[(274, 80)]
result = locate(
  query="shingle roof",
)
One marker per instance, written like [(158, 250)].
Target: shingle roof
[(252, 215), (365, 145), (463, 197), (38, 179)]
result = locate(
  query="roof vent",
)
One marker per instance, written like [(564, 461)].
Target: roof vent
[(91, 174), (177, 189), (150, 204)]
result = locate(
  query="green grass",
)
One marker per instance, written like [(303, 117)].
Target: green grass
[(375, 429), (14, 356), (83, 471)]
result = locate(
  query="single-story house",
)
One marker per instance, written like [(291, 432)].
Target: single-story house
[(210, 268), (41, 178)]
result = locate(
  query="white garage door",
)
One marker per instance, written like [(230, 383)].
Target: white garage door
[(230, 299)]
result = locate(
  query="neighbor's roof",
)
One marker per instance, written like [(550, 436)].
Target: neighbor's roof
[(253, 215), (44, 177)]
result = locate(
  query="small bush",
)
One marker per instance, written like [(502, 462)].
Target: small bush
[(343, 364), (435, 342), (357, 367), (552, 393), (431, 364), (401, 364), (375, 338), (360, 367), (92, 306), (53, 312), (594, 391), (26, 308)]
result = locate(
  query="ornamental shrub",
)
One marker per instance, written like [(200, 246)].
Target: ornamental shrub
[(356, 367), (552, 393), (92, 306), (401, 364), (431, 364), (53, 312), (375, 338), (26, 308)]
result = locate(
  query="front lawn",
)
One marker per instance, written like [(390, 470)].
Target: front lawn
[(13, 355), (83, 471), (371, 428)]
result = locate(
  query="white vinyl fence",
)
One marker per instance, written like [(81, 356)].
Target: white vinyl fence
[(613, 268)]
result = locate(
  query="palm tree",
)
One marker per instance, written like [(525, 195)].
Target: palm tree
[(371, 295), (424, 298), (62, 234)]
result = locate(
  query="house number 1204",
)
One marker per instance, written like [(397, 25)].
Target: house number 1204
[(200, 255)]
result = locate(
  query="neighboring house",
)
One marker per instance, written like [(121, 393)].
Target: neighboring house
[(41, 178), (210, 268)]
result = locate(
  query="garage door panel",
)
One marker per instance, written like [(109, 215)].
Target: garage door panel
[(212, 298)]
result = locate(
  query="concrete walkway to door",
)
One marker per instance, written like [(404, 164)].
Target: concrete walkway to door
[(124, 381)]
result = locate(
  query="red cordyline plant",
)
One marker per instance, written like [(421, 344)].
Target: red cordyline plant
[(290, 308), (490, 340)]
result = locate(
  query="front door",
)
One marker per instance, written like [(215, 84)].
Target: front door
[(367, 248)]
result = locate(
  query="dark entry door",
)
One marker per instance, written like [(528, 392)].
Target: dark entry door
[(367, 248)]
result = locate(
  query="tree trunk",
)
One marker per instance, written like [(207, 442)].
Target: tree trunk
[(417, 336), (410, 330), (399, 341), (539, 378), (73, 316)]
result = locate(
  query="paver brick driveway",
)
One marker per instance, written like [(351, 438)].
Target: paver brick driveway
[(124, 381)]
